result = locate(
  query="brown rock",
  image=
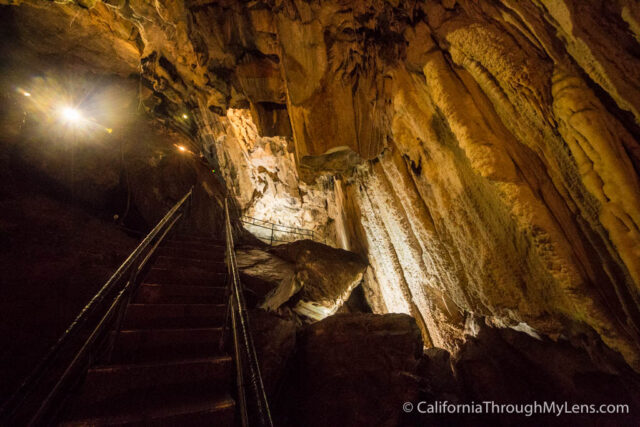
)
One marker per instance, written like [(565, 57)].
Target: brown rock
[(275, 341), (355, 370), (503, 365), (325, 276), (312, 279)]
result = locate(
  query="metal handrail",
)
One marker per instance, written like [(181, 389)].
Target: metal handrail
[(14, 407), (298, 230), (304, 232), (242, 337)]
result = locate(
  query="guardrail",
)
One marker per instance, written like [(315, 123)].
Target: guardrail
[(244, 348), (271, 233)]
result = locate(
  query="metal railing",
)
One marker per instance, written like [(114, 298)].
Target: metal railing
[(243, 345), (277, 233), (38, 399)]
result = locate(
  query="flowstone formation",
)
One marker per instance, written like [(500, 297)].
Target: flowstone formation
[(483, 156)]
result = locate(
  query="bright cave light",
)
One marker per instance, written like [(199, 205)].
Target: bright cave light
[(181, 148), (70, 115)]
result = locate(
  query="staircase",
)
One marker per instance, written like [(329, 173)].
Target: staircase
[(166, 367)]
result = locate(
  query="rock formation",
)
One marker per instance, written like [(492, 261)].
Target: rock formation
[(482, 155), (359, 369), (354, 370), (312, 279)]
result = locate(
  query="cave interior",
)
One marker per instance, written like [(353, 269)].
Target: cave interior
[(434, 204)]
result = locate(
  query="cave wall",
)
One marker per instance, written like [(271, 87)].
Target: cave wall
[(505, 180), (484, 155), (509, 188), (501, 147)]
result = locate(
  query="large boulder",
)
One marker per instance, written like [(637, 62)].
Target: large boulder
[(503, 366), (311, 278), (275, 341), (354, 370), (264, 274)]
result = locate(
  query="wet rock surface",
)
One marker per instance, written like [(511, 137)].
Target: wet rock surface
[(326, 276), (273, 275)]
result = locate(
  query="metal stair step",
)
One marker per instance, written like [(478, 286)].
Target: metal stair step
[(186, 276), (109, 383), (159, 409), (196, 245), (181, 262), (216, 254), (163, 316), (179, 294), (154, 345)]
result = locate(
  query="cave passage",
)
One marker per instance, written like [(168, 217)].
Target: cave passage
[(320, 213)]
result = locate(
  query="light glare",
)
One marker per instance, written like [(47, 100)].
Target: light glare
[(181, 148), (26, 93), (70, 114)]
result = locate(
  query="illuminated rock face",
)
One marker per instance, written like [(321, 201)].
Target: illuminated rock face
[(262, 174), (483, 156), (309, 278)]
